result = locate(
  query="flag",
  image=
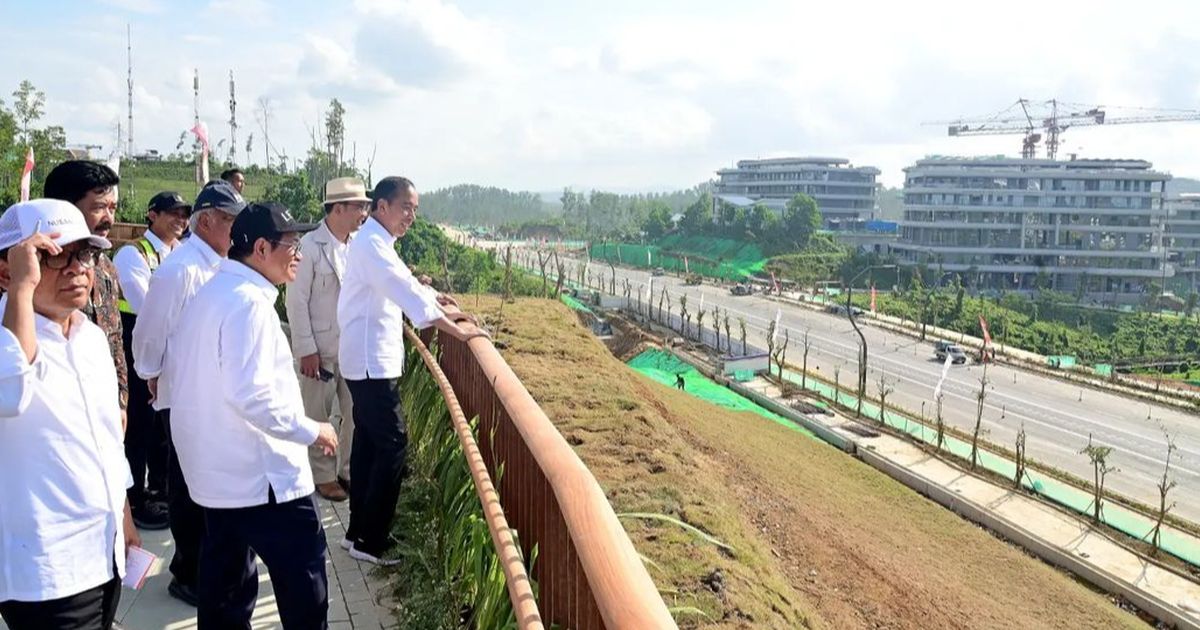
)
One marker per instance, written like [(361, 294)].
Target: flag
[(778, 314), (650, 289), (648, 261), (686, 269), (937, 391), (701, 309), (872, 298), (776, 283), (201, 132), (27, 175), (987, 337)]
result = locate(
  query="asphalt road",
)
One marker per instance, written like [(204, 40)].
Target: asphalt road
[(1057, 416)]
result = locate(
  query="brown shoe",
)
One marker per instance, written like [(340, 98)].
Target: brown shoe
[(331, 491)]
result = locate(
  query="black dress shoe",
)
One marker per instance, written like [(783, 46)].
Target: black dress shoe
[(183, 593), (151, 515)]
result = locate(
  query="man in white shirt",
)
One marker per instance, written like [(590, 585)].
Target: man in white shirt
[(312, 317), (377, 291), (64, 520), (145, 437), (239, 427), (172, 286)]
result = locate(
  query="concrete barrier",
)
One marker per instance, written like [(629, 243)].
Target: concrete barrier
[(820, 429)]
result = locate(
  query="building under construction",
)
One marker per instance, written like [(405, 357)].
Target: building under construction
[(1090, 227)]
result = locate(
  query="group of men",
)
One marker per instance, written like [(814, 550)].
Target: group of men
[(159, 388)]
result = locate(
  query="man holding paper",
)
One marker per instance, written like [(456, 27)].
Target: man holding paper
[(63, 514)]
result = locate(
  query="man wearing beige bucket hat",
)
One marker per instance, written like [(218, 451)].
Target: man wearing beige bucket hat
[(312, 315)]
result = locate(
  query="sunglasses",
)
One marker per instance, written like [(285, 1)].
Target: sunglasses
[(87, 257)]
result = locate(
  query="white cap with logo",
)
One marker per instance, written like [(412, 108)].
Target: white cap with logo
[(47, 216)]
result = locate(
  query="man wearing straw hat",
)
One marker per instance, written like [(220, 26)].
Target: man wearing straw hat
[(312, 314)]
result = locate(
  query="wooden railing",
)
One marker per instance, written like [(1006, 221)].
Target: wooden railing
[(587, 572)]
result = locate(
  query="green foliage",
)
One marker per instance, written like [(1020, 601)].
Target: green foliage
[(468, 204), (452, 577), (469, 270), (801, 219), (298, 194)]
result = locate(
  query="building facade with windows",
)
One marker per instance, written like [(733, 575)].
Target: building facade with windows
[(1091, 227), (844, 193), (1183, 239)]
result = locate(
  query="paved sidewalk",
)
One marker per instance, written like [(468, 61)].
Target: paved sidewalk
[(359, 596)]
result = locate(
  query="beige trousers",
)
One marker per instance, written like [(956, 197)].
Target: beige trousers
[(319, 402)]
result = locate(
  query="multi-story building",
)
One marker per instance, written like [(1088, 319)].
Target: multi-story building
[(1183, 239), (1092, 227), (844, 193)]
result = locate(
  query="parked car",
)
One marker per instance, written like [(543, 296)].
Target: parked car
[(840, 309), (955, 353), (740, 289), (693, 279), (658, 271)]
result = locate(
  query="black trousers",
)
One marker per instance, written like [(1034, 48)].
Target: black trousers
[(291, 542), (187, 519), (93, 609), (378, 462), (145, 436)]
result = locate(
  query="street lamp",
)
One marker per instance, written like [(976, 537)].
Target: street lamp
[(862, 347)]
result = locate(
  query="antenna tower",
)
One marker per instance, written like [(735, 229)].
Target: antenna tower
[(129, 84), (232, 121)]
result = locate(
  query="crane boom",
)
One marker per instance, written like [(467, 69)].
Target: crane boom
[(1056, 118)]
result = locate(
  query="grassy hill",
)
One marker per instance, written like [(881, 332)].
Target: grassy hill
[(820, 539), (142, 180)]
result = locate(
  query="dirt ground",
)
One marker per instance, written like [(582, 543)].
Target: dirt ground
[(819, 539)]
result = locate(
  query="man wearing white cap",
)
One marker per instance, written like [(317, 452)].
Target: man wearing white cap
[(64, 516), (312, 315)]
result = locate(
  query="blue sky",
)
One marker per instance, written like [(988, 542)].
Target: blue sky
[(620, 95)]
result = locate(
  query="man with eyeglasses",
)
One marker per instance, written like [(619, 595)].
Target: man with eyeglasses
[(92, 188), (172, 286), (378, 290), (312, 316), (242, 435), (63, 513), (145, 437)]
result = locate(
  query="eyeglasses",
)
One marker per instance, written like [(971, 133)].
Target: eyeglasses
[(293, 247), (86, 256)]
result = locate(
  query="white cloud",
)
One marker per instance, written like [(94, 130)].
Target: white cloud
[(251, 10), (138, 6)]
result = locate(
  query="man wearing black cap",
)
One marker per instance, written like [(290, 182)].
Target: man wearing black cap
[(145, 440), (172, 286), (238, 424)]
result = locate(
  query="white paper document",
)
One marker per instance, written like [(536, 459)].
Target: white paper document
[(137, 566)]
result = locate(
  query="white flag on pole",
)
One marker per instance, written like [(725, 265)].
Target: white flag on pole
[(778, 314), (648, 260), (937, 391), (114, 163), (650, 288), (701, 303)]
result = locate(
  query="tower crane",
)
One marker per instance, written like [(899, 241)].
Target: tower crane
[(1049, 119)]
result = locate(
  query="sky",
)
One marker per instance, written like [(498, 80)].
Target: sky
[(617, 95)]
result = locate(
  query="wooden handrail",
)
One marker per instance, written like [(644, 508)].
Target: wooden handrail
[(520, 591), (588, 572)]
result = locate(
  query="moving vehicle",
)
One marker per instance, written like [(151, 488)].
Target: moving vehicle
[(740, 289), (658, 271), (943, 349), (840, 309)]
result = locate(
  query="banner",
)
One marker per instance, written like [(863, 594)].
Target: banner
[(776, 283), (937, 391), (778, 314), (27, 175), (987, 337), (648, 261), (201, 132), (872, 298), (686, 269)]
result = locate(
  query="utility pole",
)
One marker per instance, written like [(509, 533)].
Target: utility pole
[(232, 121), (129, 85)]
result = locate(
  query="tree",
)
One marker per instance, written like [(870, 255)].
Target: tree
[(28, 106), (742, 327), (1164, 486), (780, 356), (1100, 470), (807, 345), (335, 134), (885, 389), (770, 339), (979, 399), (661, 297), (700, 325), (939, 422), (728, 343), (697, 218), (656, 223), (756, 219), (801, 219), (1019, 474), (685, 318), (716, 315), (296, 193)]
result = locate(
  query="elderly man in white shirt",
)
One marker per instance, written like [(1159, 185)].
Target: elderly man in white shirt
[(312, 316), (239, 427), (145, 437), (377, 291), (64, 520), (172, 286)]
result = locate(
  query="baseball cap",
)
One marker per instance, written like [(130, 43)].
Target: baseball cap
[(167, 200), (268, 220), (221, 195), (24, 219)]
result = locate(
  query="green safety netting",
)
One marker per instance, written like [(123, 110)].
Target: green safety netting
[(575, 304), (716, 257), (1182, 546), (1103, 369), (663, 367), (1061, 361)]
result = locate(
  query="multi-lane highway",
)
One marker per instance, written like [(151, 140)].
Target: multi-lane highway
[(1057, 416)]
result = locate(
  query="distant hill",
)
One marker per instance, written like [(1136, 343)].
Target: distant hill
[(142, 180)]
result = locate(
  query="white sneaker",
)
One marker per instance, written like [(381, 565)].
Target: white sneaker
[(366, 557), (347, 544)]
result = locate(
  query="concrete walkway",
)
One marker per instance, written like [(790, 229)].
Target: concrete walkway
[(359, 596)]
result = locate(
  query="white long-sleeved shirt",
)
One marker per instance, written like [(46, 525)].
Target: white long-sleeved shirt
[(172, 286), (63, 472), (133, 272), (377, 291), (237, 420)]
